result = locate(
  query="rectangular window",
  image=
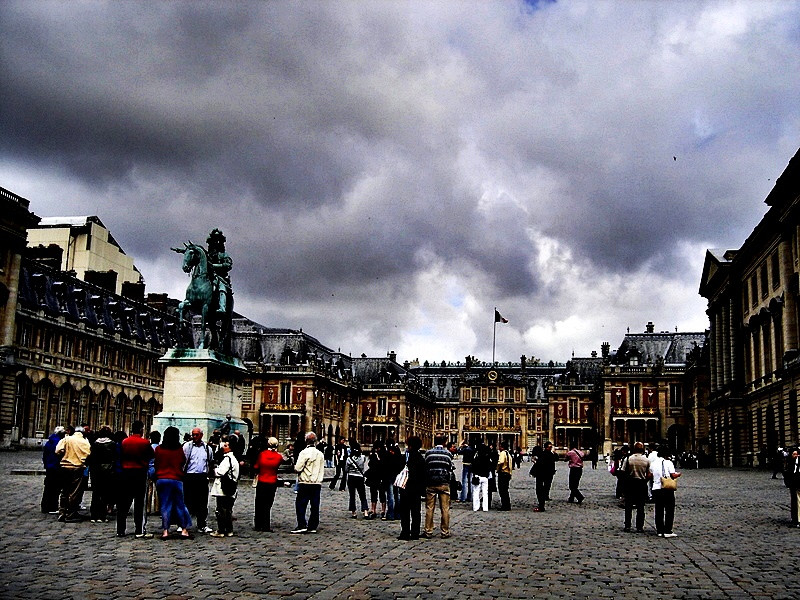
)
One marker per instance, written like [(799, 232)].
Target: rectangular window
[(454, 418), (286, 394), (531, 420), (440, 419), (754, 290), (66, 346), (756, 353), (573, 409), (247, 396), (764, 282), (476, 394), (776, 270), (382, 406), (492, 394), (509, 395), (25, 335), (675, 395), (745, 299), (635, 392)]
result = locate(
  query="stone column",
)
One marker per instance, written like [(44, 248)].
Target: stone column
[(789, 321)]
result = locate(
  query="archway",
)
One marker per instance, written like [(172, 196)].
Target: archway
[(25, 408)]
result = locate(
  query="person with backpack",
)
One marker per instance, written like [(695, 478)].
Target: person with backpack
[(354, 468), (224, 490)]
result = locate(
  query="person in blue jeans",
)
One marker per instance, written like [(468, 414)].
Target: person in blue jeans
[(168, 466), (467, 454)]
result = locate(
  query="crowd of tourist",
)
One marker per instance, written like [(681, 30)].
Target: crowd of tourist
[(177, 478)]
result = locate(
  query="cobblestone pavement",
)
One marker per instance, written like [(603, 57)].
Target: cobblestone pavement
[(734, 541)]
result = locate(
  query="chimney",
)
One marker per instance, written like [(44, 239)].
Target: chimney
[(605, 349), (650, 327), (393, 356)]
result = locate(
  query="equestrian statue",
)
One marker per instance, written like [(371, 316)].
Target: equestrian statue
[(209, 293)]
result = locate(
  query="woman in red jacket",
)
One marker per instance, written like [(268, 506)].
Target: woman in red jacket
[(169, 461), (267, 468)]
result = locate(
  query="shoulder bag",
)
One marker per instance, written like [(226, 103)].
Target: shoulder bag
[(667, 482), (402, 478), (228, 482)]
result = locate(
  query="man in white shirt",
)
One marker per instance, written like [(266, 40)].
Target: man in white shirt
[(310, 468)]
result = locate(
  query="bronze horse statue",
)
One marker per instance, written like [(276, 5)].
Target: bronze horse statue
[(202, 298)]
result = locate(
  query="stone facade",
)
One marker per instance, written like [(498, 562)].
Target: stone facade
[(87, 249), (296, 384), (494, 403), (644, 389), (754, 355), (79, 353)]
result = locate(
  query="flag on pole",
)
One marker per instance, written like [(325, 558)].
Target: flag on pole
[(498, 318)]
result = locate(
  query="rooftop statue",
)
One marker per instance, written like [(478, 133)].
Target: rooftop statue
[(209, 293)]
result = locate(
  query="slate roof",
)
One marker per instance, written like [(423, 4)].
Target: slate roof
[(57, 293), (255, 343), (671, 347)]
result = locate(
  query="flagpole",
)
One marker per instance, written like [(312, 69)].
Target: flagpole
[(494, 332)]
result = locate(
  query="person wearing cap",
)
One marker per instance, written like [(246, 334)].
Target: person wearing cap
[(266, 468), (74, 449)]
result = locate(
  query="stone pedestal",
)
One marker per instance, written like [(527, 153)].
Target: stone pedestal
[(200, 388)]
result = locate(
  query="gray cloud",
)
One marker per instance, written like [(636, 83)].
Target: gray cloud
[(359, 155)]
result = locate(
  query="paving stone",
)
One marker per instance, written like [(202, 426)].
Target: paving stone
[(733, 525)]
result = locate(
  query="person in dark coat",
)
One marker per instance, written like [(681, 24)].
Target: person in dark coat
[(375, 476), (791, 478), (51, 462), (410, 496), (545, 469), (102, 462)]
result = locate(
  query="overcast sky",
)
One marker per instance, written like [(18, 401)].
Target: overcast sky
[(387, 173)]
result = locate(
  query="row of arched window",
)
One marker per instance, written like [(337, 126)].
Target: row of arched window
[(41, 407)]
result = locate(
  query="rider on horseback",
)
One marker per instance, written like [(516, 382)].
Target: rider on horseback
[(220, 264), (209, 292)]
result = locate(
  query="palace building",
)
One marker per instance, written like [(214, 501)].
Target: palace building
[(491, 402), (643, 387), (754, 353), (75, 352), (81, 343), (296, 384)]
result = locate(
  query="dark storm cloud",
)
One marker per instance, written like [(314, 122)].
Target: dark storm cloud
[(411, 162)]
